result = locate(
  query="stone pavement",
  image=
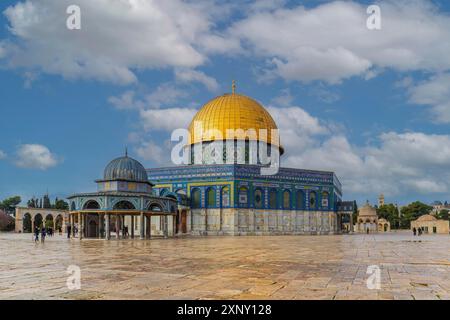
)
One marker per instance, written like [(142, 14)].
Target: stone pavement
[(272, 267)]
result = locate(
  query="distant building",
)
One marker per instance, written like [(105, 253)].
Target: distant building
[(384, 225), (367, 220), (381, 200), (29, 218), (438, 206), (430, 224)]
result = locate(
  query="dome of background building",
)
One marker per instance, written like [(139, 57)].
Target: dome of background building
[(232, 111), (125, 168), (367, 210), (426, 217)]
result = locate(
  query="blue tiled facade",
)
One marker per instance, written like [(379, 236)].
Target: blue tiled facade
[(242, 186)]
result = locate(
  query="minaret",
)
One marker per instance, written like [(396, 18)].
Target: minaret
[(381, 200)]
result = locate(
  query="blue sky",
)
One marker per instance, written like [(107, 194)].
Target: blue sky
[(371, 105)]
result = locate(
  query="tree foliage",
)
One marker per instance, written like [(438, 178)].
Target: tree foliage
[(443, 214), (412, 212), (390, 213), (8, 205)]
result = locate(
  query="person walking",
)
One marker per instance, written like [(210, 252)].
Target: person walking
[(36, 234), (420, 231), (414, 231), (69, 231), (43, 234)]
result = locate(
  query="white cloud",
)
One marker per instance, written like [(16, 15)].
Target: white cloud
[(401, 163), (35, 156), (116, 37), (434, 92), (189, 75), (330, 41), (166, 119), (151, 151), (126, 101), (163, 95), (2, 155)]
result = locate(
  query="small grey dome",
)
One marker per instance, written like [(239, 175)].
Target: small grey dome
[(125, 168)]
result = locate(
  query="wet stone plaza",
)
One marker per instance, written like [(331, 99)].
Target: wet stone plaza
[(272, 267)]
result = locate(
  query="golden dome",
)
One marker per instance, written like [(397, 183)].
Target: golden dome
[(232, 111)]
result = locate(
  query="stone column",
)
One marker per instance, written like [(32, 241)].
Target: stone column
[(80, 226), (174, 225), (32, 225), (166, 226), (117, 225), (107, 231), (141, 226), (351, 223), (132, 227), (100, 225), (148, 225)]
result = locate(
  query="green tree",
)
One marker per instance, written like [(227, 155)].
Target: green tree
[(8, 205), (413, 211), (47, 204), (33, 203), (443, 214), (390, 213), (60, 205), (355, 212)]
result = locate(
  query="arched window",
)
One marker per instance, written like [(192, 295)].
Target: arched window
[(27, 223), (163, 192), (300, 200), (124, 205), (243, 196), (325, 199), (91, 204), (154, 207), (286, 199), (195, 198), (312, 200), (258, 198), (273, 199), (225, 197), (210, 198)]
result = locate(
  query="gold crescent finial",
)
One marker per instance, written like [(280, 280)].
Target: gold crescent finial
[(233, 87)]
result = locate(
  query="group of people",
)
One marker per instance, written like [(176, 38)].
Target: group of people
[(69, 231), (417, 231), (43, 232)]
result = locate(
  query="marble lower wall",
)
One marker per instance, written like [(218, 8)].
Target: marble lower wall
[(260, 222)]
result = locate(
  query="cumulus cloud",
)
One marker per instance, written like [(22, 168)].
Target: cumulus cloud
[(164, 94), (331, 42), (116, 37), (397, 163), (189, 75), (435, 92), (151, 151), (35, 156), (2, 155), (166, 119)]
